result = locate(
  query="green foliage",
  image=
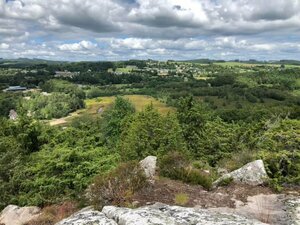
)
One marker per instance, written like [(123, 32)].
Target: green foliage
[(192, 117), (7, 102), (223, 80), (118, 186), (17, 142), (53, 175), (218, 140), (237, 159), (113, 118), (56, 105), (63, 87), (249, 112), (171, 164), (283, 166), (280, 150), (176, 166), (149, 133), (42, 165)]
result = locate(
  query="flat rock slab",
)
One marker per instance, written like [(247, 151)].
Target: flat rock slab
[(89, 217), (292, 205), (160, 214)]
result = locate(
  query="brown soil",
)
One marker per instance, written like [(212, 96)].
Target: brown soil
[(164, 190)]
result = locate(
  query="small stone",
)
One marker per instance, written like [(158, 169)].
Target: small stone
[(149, 166)]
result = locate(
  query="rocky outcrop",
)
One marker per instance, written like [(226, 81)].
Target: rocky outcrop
[(15, 215), (292, 207), (87, 217), (157, 214), (253, 173), (149, 166)]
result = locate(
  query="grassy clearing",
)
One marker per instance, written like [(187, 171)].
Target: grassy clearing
[(123, 70), (139, 101), (93, 106)]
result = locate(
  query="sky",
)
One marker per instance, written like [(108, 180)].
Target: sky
[(96, 30)]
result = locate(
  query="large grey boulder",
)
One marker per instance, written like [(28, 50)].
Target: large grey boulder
[(160, 214), (149, 166), (15, 215), (253, 173), (87, 217)]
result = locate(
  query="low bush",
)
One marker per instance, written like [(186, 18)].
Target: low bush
[(172, 163), (282, 167), (237, 160), (118, 186), (196, 176), (175, 165)]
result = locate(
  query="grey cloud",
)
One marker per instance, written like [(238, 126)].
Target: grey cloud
[(150, 28), (97, 15), (167, 13)]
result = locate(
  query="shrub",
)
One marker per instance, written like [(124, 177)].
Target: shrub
[(150, 133), (52, 176), (118, 186), (176, 166), (172, 163), (237, 160), (282, 167), (196, 176)]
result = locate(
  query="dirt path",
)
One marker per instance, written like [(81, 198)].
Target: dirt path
[(64, 120)]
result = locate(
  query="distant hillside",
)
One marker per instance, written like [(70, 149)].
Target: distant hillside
[(289, 62), (203, 61), (251, 61), (27, 61)]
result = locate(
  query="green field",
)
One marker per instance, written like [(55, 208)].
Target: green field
[(93, 105), (139, 101)]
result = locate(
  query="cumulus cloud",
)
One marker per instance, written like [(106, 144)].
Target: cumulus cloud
[(4, 46), (96, 15), (166, 13), (82, 45)]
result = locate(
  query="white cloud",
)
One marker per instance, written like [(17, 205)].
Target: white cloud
[(4, 46), (83, 45), (166, 13)]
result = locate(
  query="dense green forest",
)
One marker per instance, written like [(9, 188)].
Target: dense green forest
[(223, 116)]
